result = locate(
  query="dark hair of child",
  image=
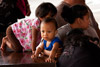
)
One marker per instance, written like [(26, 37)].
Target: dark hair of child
[(49, 20), (71, 13), (79, 50), (44, 9), (76, 38)]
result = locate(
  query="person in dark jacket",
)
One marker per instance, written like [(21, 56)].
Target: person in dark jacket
[(79, 51)]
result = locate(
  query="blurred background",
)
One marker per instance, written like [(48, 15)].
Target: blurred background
[(93, 4)]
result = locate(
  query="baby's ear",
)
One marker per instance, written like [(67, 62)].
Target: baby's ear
[(56, 32)]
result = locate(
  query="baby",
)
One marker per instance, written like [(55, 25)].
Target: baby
[(50, 43)]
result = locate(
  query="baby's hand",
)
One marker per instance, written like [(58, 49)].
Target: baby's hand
[(33, 52), (33, 56), (2, 49), (50, 60)]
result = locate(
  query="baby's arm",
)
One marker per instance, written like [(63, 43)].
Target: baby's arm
[(46, 52), (38, 51), (58, 53), (53, 52)]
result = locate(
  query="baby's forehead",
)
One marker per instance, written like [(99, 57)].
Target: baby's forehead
[(48, 24)]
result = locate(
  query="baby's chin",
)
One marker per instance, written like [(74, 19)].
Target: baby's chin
[(47, 39)]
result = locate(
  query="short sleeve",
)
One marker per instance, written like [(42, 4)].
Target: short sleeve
[(36, 23), (57, 40)]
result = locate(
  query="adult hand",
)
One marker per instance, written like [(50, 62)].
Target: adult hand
[(59, 51)]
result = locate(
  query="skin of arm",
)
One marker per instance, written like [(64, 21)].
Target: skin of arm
[(58, 53), (38, 51), (46, 52), (53, 53), (34, 38)]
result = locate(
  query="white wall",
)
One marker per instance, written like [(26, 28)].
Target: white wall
[(93, 4), (35, 3)]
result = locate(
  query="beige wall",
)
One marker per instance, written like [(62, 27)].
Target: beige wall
[(93, 4)]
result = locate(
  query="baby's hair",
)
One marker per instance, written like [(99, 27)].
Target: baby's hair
[(71, 13), (76, 37), (76, 31), (44, 9), (50, 19)]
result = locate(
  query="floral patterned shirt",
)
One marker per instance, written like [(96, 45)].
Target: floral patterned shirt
[(23, 32)]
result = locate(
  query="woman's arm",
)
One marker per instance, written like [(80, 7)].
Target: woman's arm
[(38, 51), (34, 39)]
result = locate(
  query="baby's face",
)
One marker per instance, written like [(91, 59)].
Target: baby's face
[(48, 31)]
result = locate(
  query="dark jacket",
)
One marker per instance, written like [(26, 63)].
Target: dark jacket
[(80, 56)]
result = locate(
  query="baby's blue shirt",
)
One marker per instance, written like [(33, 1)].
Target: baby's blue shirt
[(56, 39)]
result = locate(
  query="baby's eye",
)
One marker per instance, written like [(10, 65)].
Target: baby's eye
[(42, 31), (49, 31)]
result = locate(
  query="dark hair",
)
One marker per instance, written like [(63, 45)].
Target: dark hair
[(76, 31), (44, 9), (76, 37), (69, 14), (50, 19)]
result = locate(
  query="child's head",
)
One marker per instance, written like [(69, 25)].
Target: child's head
[(45, 9), (76, 37), (76, 31), (76, 14), (48, 28)]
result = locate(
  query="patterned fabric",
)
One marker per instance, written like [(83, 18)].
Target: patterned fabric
[(56, 39), (23, 32)]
